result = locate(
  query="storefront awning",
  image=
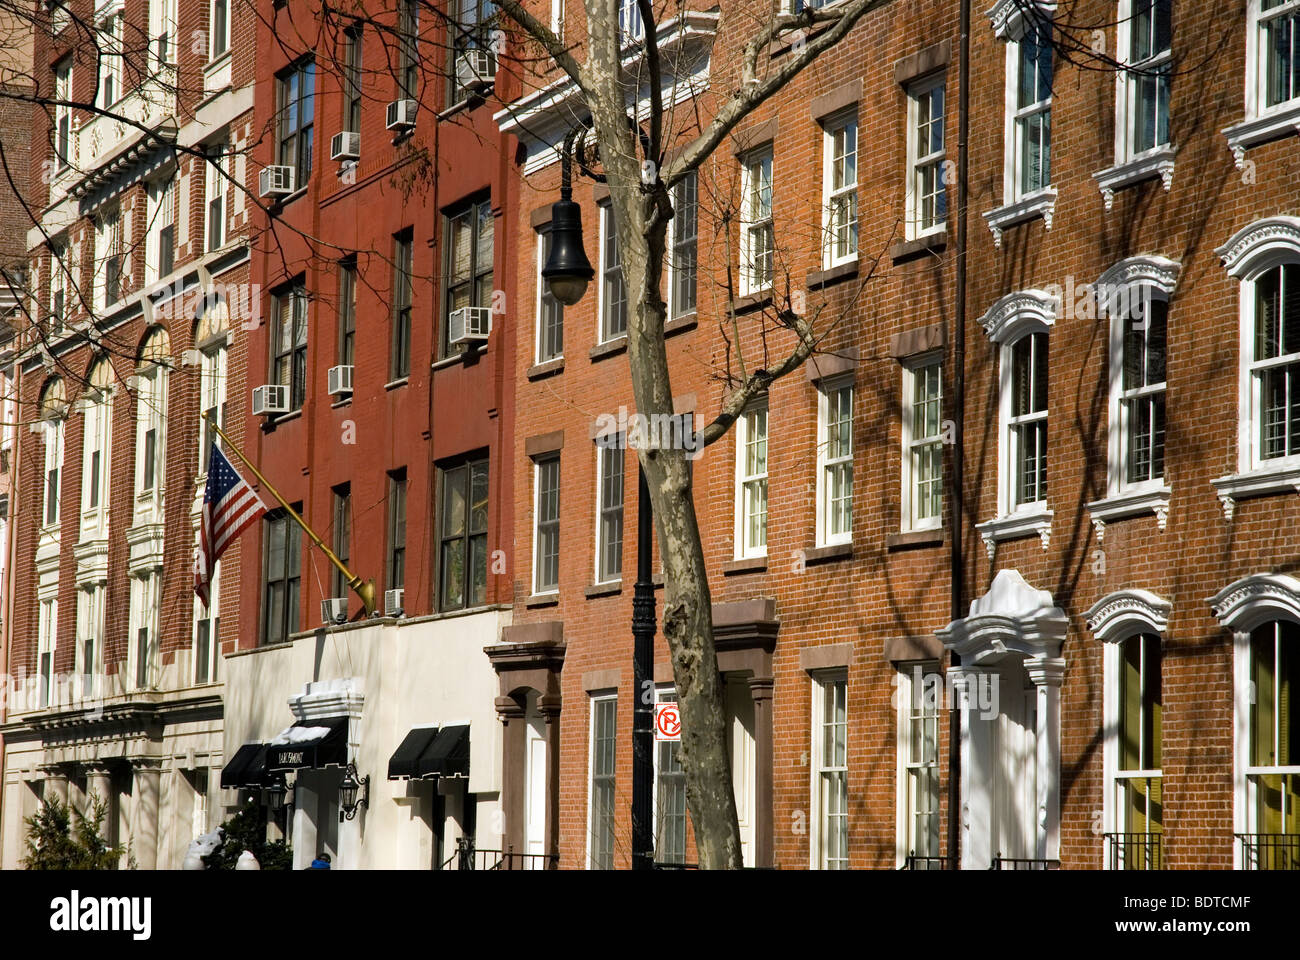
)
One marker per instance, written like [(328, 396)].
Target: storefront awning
[(312, 745), (428, 752), (402, 764), (247, 768)]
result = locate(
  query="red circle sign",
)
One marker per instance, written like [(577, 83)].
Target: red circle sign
[(668, 722)]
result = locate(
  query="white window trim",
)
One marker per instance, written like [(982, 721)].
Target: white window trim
[(216, 188), (557, 18), (53, 435), (211, 613), (213, 57), (90, 626), (606, 224), (1253, 251), (742, 551), (914, 160), (538, 326), (97, 433), (162, 22), (1260, 124), (111, 49), (908, 477), (594, 697), (151, 414), (538, 463), (212, 382), (1012, 173), (830, 127), (47, 634), (63, 110), (816, 839), (749, 282), (670, 269), (824, 391), (905, 692), (603, 452), (144, 614)]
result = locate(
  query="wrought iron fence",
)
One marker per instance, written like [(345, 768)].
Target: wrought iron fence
[(1269, 851), (1135, 851), (469, 857), (1023, 863), (915, 862)]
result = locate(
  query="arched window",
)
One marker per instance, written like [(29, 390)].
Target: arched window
[(97, 407), (151, 426), (211, 339), (53, 410)]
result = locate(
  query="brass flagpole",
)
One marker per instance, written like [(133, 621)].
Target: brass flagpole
[(365, 589)]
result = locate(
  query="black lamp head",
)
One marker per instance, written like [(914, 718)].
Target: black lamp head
[(567, 270)]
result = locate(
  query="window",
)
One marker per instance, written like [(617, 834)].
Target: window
[(550, 312), (927, 199), (63, 111), (220, 37), (90, 637), (96, 430), (207, 632), (59, 273), (613, 290), (142, 656), (160, 239), (347, 310), (342, 545), (151, 426), (919, 686), (1142, 393), (281, 573), (400, 361), (835, 463), (830, 772), (1136, 780), (217, 187), (108, 44), (1027, 421), (922, 431), (609, 508), (683, 240), (352, 48), (53, 417), (1275, 363), (1144, 38), (45, 644), (1029, 109), (546, 536), (296, 101), (604, 712), (109, 257), (397, 529), (469, 233), (1276, 40), (757, 239), (670, 794), (751, 483), (289, 344), (462, 538), (630, 26), (557, 18), (162, 32), (210, 337), (472, 30), (408, 28), (1272, 783), (840, 190)]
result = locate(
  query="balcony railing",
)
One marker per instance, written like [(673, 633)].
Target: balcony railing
[(1023, 863), (1269, 851), (468, 857), (915, 862), (1135, 851)]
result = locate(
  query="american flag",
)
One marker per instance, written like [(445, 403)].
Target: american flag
[(229, 505)]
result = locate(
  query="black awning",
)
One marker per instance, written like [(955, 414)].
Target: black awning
[(247, 768), (405, 760), (447, 755), (313, 744)]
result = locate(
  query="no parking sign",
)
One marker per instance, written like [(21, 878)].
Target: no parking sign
[(668, 722)]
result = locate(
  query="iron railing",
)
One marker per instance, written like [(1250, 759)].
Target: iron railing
[(1269, 851), (915, 862), (469, 857), (1135, 851), (1023, 863)]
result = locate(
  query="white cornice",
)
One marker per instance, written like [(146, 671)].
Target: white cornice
[(1256, 599), (1004, 319), (1271, 235), (1008, 16), (1123, 613)]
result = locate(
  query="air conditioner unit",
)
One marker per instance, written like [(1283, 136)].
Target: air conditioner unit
[(339, 379), (401, 115), (469, 324), (275, 181), (334, 610), (475, 70), (393, 602), (270, 398), (345, 146)]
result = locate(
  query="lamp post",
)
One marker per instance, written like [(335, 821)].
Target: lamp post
[(567, 272)]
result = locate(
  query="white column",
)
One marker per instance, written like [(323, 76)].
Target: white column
[(147, 774), (304, 826), (1046, 673), (976, 771)]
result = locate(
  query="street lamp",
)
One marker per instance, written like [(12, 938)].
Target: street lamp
[(349, 801), (567, 271), (275, 794)]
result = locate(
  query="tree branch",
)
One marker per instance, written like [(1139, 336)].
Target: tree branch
[(540, 32)]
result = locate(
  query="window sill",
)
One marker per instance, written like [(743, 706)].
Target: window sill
[(343, 401), (274, 421), (545, 369), (447, 362), (745, 565), (820, 279), (608, 589), (1130, 504), (538, 600), (1035, 521), (828, 554), (1154, 163), (750, 302), (1040, 203), (1282, 478), (1279, 122), (399, 382), (912, 539), (609, 348), (687, 321), (900, 251)]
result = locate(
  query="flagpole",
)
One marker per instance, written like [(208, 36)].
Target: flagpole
[(365, 589)]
